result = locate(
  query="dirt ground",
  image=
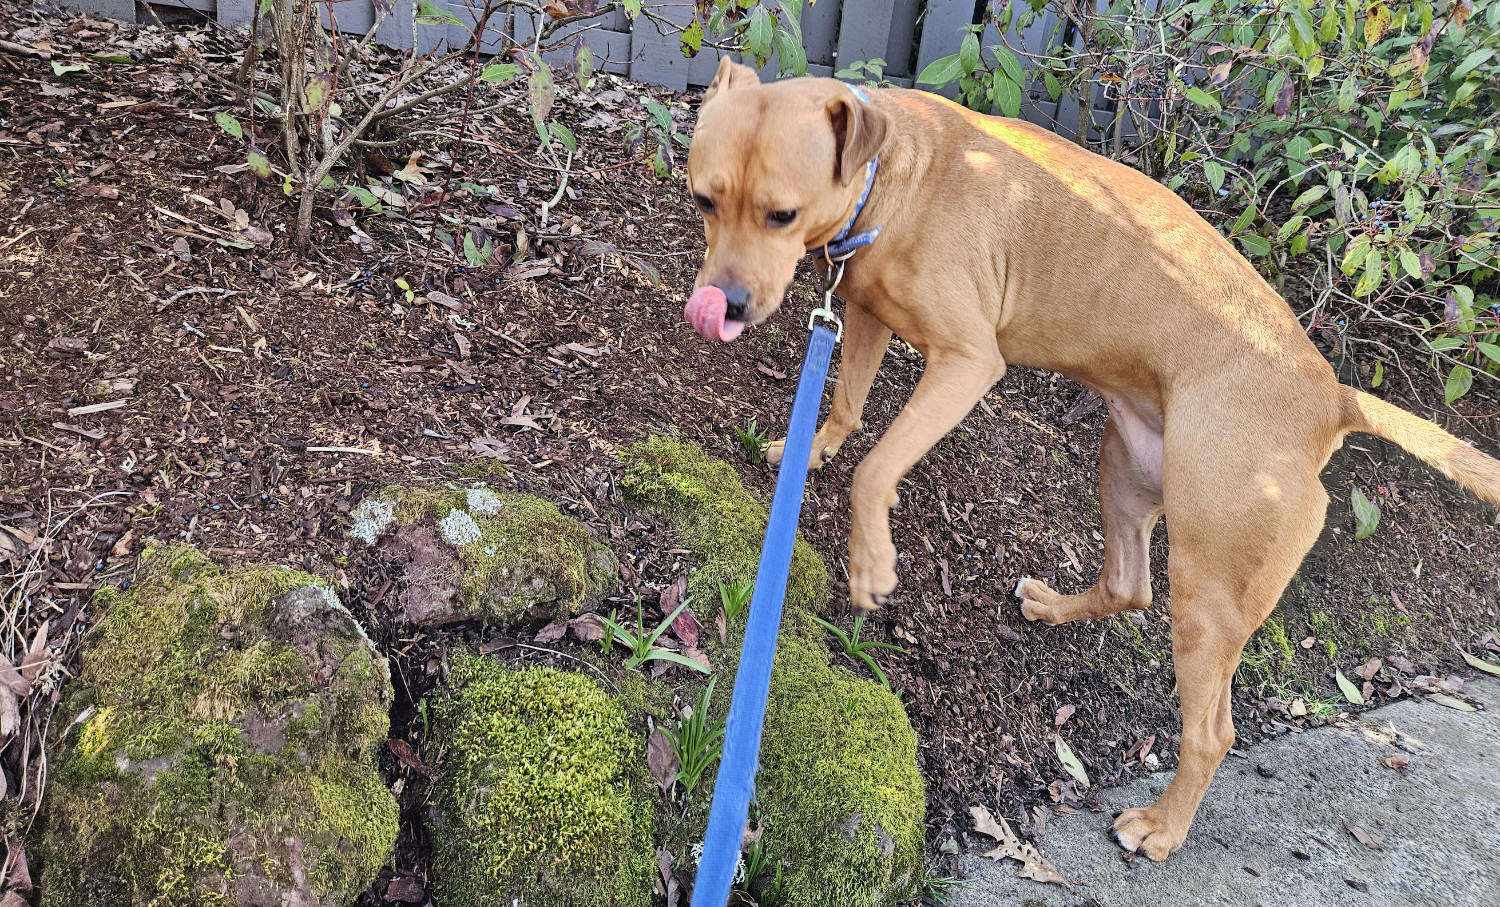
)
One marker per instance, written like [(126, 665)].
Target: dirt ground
[(260, 394)]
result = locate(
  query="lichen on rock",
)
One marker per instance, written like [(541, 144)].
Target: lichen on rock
[(477, 554), (841, 798), (544, 794), (218, 746)]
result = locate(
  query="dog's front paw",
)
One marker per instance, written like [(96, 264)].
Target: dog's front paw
[(872, 575), (1147, 831), (820, 454), (1036, 599)]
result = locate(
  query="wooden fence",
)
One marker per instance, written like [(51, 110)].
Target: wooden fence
[(907, 34)]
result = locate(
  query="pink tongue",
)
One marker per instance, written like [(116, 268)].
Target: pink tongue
[(705, 312)]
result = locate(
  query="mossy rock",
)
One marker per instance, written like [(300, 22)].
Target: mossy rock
[(219, 746), (840, 794), (544, 794), (474, 554)]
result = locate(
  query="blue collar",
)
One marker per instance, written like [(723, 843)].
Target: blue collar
[(844, 244)]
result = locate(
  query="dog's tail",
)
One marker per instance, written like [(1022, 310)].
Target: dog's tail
[(1454, 458)]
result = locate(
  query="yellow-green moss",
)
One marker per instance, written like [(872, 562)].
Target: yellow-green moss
[(164, 792), (544, 792), (820, 767), (1273, 631), (724, 523), (523, 552)]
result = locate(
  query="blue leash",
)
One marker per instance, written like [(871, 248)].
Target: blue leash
[(752, 684), (747, 710)]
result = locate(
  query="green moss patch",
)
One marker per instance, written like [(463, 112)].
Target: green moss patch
[(840, 795), (475, 554), (219, 746), (544, 792)]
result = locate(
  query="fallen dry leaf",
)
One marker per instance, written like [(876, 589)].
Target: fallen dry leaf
[(686, 627), (1063, 714), (405, 890), (1013, 848), (1398, 762), (661, 760), (668, 877), (407, 756), (551, 633), (63, 347), (1360, 835), (588, 627)]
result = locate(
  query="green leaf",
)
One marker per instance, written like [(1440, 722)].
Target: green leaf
[(632, 8), (1376, 23), (499, 72), (1255, 244), (941, 71), (1491, 350), (260, 165), (61, 69), (1374, 275), (1308, 197), (1471, 62), (1451, 702), (563, 134), (229, 124), (1215, 173), (1007, 94), (758, 34), (1290, 227), (430, 14), (1202, 98), (674, 658), (1070, 761), (1366, 515), (1351, 692), (111, 58), (692, 39), (1379, 375), (790, 56), (1459, 382), (968, 53), (1054, 88), (1354, 256), (1348, 93), (1411, 264), (1011, 64), (1480, 663)]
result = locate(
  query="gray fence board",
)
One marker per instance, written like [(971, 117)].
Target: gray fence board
[(820, 28), (941, 33), (862, 35), (657, 58), (898, 45), (835, 34)]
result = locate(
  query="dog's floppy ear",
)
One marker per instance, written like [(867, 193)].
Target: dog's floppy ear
[(859, 131), (730, 75)]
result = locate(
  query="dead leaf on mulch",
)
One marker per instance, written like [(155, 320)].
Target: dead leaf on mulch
[(1013, 848), (63, 347), (407, 756), (667, 886), (405, 890), (661, 760), (1399, 762), (551, 633), (1063, 714), (588, 627), (686, 627)]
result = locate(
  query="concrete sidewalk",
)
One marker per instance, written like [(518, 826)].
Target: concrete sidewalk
[(1280, 840)]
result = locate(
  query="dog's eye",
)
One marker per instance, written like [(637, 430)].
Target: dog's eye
[(704, 203), (781, 218)]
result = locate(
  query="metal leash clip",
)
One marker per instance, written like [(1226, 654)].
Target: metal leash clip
[(825, 311)]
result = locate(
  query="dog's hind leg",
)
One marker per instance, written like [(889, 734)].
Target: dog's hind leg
[(1130, 506), (865, 342), (1237, 538)]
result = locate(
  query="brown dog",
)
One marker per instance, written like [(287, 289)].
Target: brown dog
[(1003, 243)]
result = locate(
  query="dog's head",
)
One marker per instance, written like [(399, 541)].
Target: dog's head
[(775, 170)]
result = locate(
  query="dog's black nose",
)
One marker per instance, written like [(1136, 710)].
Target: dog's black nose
[(738, 302)]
